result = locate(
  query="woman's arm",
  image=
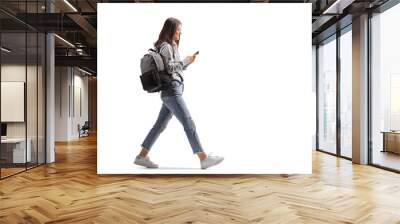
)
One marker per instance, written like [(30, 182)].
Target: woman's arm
[(170, 64), (186, 63)]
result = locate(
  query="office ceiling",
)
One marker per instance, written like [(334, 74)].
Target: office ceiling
[(76, 21)]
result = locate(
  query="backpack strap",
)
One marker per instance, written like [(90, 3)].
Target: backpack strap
[(158, 50), (158, 59)]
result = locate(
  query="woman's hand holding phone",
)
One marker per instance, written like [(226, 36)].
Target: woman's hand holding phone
[(191, 58)]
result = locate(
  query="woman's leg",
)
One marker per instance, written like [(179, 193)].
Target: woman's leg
[(177, 106), (164, 117)]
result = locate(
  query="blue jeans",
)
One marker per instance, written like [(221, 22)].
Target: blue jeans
[(174, 105)]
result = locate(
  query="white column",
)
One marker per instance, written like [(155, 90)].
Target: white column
[(50, 92), (360, 90)]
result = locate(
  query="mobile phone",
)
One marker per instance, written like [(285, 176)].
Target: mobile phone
[(197, 52)]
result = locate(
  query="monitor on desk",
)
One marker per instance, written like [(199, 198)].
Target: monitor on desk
[(3, 130)]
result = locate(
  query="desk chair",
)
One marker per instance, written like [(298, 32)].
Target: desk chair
[(84, 130)]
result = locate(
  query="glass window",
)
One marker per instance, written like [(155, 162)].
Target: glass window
[(314, 78), (346, 94), (327, 96), (22, 92), (385, 89), (14, 150)]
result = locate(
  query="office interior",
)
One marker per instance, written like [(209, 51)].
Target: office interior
[(49, 93), (46, 82)]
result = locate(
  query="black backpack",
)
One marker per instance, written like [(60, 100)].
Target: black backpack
[(154, 76)]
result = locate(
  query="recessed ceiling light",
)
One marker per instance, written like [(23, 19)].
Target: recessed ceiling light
[(64, 40), (70, 5), (5, 49), (86, 72)]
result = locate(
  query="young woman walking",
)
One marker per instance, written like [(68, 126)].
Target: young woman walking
[(172, 100)]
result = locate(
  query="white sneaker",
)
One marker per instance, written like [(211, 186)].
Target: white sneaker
[(145, 161), (210, 161)]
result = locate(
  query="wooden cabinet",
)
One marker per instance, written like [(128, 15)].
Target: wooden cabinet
[(391, 142)]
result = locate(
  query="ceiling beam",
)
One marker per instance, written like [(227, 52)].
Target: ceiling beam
[(317, 25), (84, 24), (84, 61), (337, 6)]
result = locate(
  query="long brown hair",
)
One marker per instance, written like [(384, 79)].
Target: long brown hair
[(168, 31)]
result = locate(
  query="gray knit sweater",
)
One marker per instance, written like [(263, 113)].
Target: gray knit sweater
[(174, 66)]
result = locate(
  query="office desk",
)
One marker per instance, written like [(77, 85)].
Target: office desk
[(13, 150), (391, 141)]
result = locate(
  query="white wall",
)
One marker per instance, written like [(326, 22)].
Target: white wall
[(244, 96), (33, 127), (61, 103), (16, 73), (80, 84), (70, 83)]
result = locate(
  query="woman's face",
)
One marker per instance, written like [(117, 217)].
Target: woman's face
[(177, 34)]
